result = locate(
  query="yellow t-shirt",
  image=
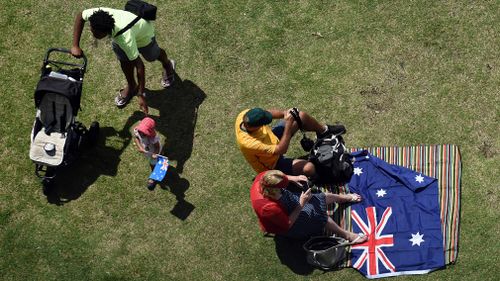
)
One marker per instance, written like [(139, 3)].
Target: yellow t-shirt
[(258, 147), (137, 36)]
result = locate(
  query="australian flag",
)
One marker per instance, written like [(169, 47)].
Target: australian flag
[(160, 169), (399, 214)]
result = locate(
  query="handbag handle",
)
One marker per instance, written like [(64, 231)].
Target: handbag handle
[(315, 253)]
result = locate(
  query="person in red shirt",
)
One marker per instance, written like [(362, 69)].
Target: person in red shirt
[(296, 215)]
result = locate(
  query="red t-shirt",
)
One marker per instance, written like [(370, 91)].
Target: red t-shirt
[(272, 217)]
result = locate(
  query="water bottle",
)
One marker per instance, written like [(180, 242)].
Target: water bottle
[(58, 75)]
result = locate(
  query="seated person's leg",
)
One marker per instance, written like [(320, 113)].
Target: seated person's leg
[(285, 165), (342, 198), (303, 167), (333, 227), (311, 124)]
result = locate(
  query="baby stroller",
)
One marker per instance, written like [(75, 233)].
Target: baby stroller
[(57, 137)]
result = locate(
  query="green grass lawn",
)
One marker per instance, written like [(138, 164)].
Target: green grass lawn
[(394, 72)]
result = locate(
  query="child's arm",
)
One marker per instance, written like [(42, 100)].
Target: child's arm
[(139, 145)]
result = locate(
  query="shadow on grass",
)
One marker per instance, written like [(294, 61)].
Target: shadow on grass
[(102, 159), (291, 254), (178, 186), (178, 112)]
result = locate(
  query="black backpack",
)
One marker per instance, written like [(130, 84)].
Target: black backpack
[(333, 164), (141, 9)]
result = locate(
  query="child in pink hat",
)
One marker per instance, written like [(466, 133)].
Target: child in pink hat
[(148, 143)]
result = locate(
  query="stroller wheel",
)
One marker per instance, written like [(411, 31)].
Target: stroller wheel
[(82, 141), (93, 134), (47, 186)]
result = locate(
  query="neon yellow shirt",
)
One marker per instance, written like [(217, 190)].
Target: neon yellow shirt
[(137, 36), (257, 147)]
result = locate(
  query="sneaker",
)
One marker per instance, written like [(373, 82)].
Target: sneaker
[(151, 185), (168, 80), (336, 130)]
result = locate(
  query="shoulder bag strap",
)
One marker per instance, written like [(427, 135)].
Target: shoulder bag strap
[(128, 26)]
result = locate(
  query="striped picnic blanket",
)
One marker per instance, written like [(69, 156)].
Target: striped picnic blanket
[(439, 161)]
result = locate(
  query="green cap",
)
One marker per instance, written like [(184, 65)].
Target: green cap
[(256, 117)]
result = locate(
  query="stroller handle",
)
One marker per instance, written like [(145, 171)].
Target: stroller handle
[(83, 66)]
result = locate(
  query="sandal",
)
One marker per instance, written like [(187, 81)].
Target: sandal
[(122, 101), (355, 197), (350, 198), (360, 239), (168, 80)]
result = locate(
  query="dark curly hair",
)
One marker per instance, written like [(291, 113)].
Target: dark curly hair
[(102, 21)]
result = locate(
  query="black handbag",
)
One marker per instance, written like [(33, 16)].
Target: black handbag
[(325, 252)]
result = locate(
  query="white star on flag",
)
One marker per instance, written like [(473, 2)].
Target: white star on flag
[(358, 171), (381, 192), (419, 178), (416, 239)]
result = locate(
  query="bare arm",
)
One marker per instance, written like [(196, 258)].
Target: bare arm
[(298, 180), (77, 34), (139, 145), (141, 78), (304, 198), (282, 146), (277, 114)]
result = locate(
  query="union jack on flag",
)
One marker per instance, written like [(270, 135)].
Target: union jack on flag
[(372, 248), (400, 214)]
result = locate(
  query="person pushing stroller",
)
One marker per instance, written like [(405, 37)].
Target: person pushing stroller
[(127, 45)]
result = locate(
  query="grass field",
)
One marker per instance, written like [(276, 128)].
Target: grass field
[(394, 72)]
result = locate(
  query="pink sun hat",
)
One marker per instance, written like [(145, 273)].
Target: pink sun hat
[(147, 127)]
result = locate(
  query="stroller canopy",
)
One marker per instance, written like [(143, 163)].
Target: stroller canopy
[(72, 90)]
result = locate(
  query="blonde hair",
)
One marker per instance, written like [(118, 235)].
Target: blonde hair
[(268, 182)]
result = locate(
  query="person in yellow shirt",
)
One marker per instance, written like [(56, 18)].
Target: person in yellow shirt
[(264, 147)]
